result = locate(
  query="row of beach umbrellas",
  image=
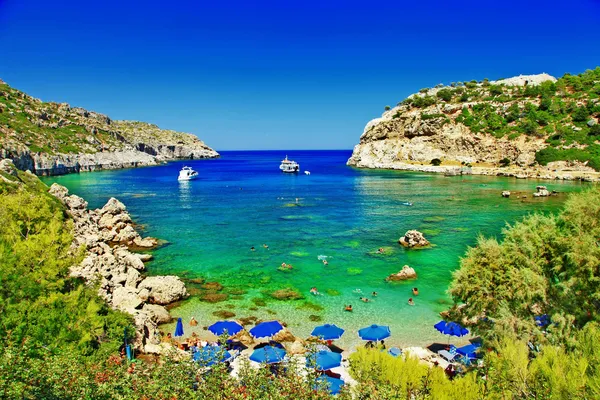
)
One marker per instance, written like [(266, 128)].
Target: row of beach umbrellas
[(271, 328), (325, 332)]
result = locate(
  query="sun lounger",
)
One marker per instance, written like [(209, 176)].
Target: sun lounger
[(447, 355)]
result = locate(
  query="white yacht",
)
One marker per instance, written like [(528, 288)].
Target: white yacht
[(289, 166), (187, 174)]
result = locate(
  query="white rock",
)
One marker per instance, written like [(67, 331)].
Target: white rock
[(405, 273), (158, 313), (113, 206), (125, 299), (164, 289)]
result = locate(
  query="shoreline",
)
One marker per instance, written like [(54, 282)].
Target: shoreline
[(42, 164), (539, 173)]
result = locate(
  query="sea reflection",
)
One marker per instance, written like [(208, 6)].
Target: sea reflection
[(185, 194)]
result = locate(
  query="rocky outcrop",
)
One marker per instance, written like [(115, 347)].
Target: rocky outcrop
[(413, 239), (404, 274), (8, 167), (541, 191), (105, 235), (34, 138), (163, 289), (409, 137)]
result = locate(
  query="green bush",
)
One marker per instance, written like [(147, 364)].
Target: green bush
[(505, 162), (529, 271), (496, 90), (444, 94), (580, 114)]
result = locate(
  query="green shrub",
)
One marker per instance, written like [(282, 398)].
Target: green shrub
[(444, 94), (505, 162), (580, 114), (496, 90)]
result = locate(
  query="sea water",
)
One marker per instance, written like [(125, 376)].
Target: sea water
[(339, 213)]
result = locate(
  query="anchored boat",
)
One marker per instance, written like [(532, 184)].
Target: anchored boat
[(187, 174), (289, 166)]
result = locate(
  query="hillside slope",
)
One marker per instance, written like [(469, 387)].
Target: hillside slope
[(527, 126), (52, 138)]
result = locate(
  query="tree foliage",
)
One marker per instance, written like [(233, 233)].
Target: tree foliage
[(544, 264)]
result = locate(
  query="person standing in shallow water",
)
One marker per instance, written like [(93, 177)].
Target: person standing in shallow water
[(411, 302)]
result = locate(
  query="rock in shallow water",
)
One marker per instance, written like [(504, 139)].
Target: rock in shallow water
[(405, 273), (413, 238)]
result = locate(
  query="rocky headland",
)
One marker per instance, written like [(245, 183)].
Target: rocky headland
[(525, 127), (49, 138), (106, 236)]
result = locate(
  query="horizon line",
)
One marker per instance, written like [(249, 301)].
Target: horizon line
[(285, 150)]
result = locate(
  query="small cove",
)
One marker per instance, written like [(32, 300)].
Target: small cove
[(343, 213)]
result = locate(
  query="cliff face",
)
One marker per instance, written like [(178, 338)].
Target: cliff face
[(505, 127), (54, 139)]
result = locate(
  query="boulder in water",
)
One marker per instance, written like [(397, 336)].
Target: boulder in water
[(541, 191), (413, 238), (405, 273)]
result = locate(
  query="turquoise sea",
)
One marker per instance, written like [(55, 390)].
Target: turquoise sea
[(343, 213)]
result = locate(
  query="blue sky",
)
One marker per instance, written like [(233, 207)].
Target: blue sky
[(279, 75)]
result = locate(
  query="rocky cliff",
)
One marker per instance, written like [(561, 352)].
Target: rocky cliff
[(107, 235), (527, 126), (53, 139)]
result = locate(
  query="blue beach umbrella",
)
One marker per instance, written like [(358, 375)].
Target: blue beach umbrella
[(440, 326), (268, 355), (324, 360), (328, 332), (334, 384), (210, 355), (220, 327), (266, 329), (179, 328), (374, 332), (455, 329)]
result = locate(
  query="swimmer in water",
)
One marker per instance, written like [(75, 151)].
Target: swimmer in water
[(314, 291), (411, 302), (348, 307), (266, 246), (325, 262), (252, 248), (357, 291), (415, 291), (380, 251), (374, 294), (365, 299)]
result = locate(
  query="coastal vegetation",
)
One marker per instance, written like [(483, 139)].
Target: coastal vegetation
[(545, 264), (564, 112), (55, 128), (525, 126)]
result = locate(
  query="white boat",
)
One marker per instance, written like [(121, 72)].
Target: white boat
[(289, 166), (187, 174), (307, 172)]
